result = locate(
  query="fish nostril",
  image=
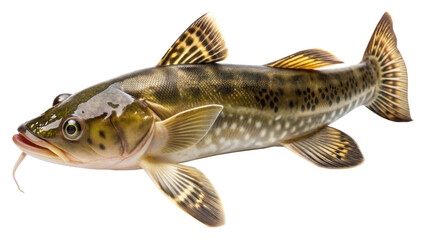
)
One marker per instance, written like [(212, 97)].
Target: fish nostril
[(22, 128)]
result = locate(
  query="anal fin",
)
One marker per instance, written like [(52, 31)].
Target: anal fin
[(188, 188), (307, 59), (329, 147)]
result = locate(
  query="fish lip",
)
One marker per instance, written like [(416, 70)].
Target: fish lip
[(37, 147), (31, 147)]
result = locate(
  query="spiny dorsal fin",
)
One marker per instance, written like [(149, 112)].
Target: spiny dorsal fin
[(201, 42), (307, 59), (188, 188), (328, 148)]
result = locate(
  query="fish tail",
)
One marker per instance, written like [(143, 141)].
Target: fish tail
[(390, 100)]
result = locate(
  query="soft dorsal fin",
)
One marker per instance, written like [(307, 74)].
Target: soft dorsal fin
[(307, 59), (201, 42)]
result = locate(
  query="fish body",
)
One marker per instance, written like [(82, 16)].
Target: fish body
[(262, 106), (189, 107)]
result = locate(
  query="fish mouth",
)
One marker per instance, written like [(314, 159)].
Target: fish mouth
[(35, 146)]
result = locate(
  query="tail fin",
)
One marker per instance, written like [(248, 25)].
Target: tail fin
[(391, 101)]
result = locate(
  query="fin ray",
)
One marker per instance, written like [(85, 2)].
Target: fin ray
[(184, 129), (307, 59), (188, 188), (391, 97), (201, 42), (328, 148)]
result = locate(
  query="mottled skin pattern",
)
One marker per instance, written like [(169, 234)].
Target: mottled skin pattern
[(262, 105)]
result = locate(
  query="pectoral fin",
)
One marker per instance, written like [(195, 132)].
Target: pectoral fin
[(188, 188), (184, 129), (328, 148)]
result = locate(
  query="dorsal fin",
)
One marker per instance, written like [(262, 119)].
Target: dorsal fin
[(201, 42), (307, 59)]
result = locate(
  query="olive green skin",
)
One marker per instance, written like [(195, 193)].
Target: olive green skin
[(113, 124), (263, 106)]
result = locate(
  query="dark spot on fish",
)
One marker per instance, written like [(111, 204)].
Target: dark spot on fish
[(225, 75), (257, 98), (281, 91), (308, 90), (330, 103), (267, 97), (201, 39), (332, 96), (189, 41), (102, 134), (302, 108), (114, 106), (198, 33), (271, 104), (271, 93), (322, 95), (298, 92), (101, 146), (196, 55), (275, 99), (304, 92), (319, 90), (89, 141), (276, 109), (262, 102), (225, 89), (194, 91), (326, 89), (337, 99), (263, 89), (192, 50), (313, 108), (294, 79), (316, 100), (191, 30), (308, 106), (291, 104)]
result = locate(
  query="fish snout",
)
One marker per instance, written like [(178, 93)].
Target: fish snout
[(22, 128)]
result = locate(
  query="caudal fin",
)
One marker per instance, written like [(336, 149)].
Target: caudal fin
[(390, 101)]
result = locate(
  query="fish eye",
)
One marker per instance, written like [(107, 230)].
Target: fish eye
[(72, 129), (60, 98)]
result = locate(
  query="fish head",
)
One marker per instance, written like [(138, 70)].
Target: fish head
[(97, 128)]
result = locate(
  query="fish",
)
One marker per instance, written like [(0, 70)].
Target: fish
[(189, 106)]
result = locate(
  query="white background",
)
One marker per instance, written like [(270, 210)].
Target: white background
[(52, 47)]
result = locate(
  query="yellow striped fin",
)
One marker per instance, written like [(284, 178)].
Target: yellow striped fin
[(185, 128), (202, 42), (391, 101), (328, 148), (188, 188), (307, 59)]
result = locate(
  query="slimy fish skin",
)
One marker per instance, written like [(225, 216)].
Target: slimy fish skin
[(189, 107)]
